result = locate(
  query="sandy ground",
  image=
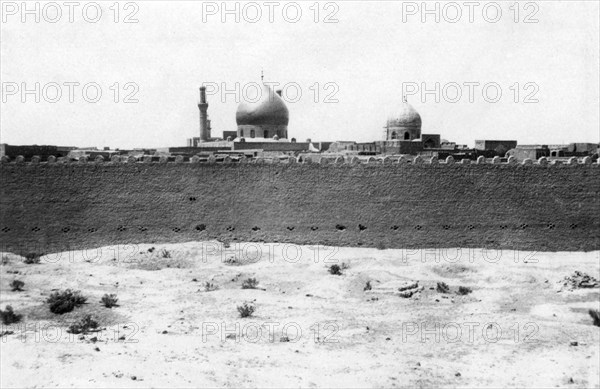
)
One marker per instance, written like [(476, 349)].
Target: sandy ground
[(516, 329)]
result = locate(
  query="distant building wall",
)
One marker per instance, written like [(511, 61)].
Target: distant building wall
[(499, 147), (431, 141), (532, 153), (272, 146), (31, 150)]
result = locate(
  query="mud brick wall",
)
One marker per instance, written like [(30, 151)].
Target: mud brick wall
[(55, 207)]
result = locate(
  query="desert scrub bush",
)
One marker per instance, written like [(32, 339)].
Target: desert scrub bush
[(246, 310), (164, 253), (209, 287), (32, 258), (9, 316), (463, 290), (65, 301), (367, 286), (109, 300), (232, 261), (83, 326), (336, 270), (594, 313), (17, 285), (250, 283), (442, 287)]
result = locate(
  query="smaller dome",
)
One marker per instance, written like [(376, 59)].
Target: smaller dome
[(407, 116)]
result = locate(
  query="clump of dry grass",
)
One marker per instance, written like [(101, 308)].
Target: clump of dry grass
[(442, 287), (109, 300), (336, 270), (32, 258), (17, 285), (9, 316), (83, 326), (595, 314), (463, 290), (250, 283), (65, 301), (209, 287), (246, 310)]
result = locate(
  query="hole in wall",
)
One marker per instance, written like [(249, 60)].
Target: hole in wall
[(503, 227), (573, 226), (446, 227), (361, 227), (66, 229), (523, 226), (230, 228), (192, 199), (418, 227), (121, 228), (35, 229), (200, 227), (176, 229), (395, 228), (551, 226), (290, 228), (340, 227), (5, 229), (314, 228), (255, 228), (142, 229), (91, 230), (471, 227)]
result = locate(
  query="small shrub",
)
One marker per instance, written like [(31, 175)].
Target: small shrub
[(250, 283), (442, 287), (594, 313), (65, 301), (209, 287), (9, 316), (367, 286), (164, 253), (83, 326), (32, 258), (109, 300), (246, 310), (463, 290), (232, 261), (17, 285), (335, 270)]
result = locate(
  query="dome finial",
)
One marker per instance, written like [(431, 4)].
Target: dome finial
[(262, 75), (404, 99)]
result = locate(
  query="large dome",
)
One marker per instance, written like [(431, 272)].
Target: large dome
[(268, 110), (407, 116)]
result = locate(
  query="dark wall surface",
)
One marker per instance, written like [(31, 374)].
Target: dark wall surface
[(55, 207)]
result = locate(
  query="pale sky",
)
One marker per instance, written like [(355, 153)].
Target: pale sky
[(366, 57)]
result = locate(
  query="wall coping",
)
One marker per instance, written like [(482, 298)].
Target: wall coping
[(319, 160)]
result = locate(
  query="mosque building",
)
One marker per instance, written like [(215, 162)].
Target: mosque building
[(264, 119), (262, 127), (404, 124)]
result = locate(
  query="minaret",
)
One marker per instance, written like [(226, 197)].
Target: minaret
[(203, 107)]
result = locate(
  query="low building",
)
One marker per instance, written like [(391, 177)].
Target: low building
[(495, 147)]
